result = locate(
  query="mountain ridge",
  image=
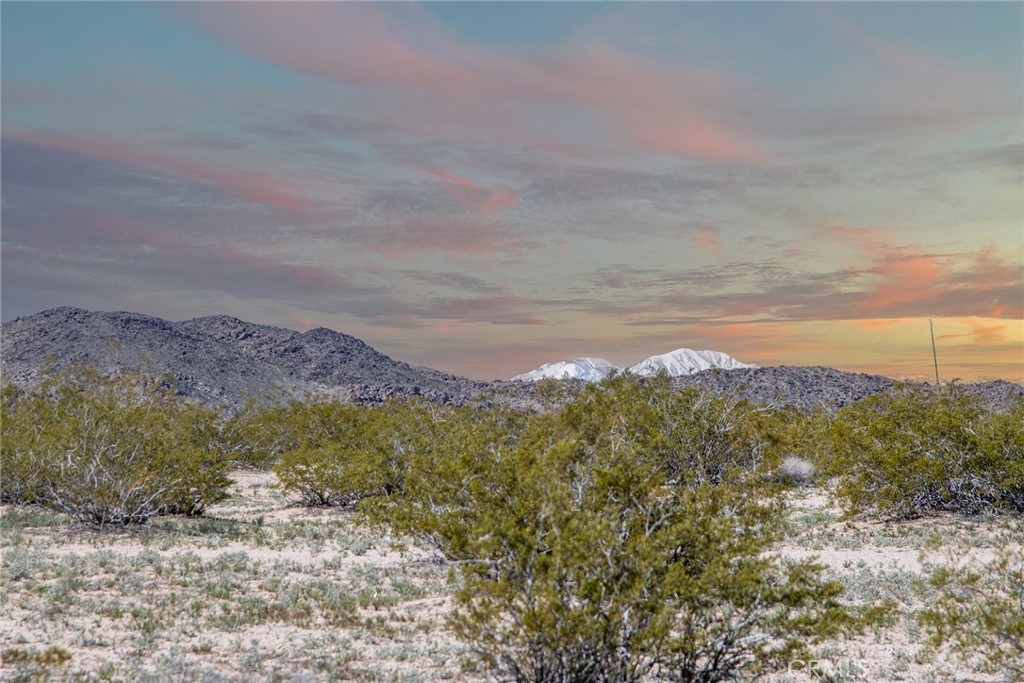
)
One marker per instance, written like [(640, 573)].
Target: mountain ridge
[(224, 361)]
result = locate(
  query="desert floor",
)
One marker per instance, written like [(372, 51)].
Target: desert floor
[(261, 589)]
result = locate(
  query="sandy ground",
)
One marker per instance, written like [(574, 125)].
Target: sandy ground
[(261, 589)]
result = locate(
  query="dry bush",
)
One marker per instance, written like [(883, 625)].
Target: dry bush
[(796, 470)]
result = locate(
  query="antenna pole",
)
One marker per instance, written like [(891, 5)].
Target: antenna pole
[(935, 356)]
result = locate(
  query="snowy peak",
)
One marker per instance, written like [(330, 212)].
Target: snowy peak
[(676, 363), (588, 369), (686, 362)]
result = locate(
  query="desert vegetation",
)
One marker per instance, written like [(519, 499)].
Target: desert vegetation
[(912, 452), (109, 450), (625, 532)]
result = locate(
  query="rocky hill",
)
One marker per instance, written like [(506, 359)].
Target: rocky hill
[(338, 363), (220, 360), (806, 387), (811, 387)]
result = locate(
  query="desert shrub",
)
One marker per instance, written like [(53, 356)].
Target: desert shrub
[(257, 435), (914, 452), (980, 612), (552, 394), (33, 664), (1002, 440), (691, 436), (715, 438), (109, 450), (449, 454), (21, 475), (595, 546), (344, 453)]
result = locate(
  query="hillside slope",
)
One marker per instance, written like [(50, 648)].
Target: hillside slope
[(219, 360)]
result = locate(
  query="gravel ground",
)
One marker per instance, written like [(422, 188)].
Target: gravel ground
[(260, 589)]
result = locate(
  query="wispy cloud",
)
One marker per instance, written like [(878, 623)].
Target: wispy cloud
[(380, 48), (473, 197), (457, 281), (251, 187), (407, 234)]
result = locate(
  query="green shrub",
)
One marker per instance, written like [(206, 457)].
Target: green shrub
[(449, 455), (620, 537), (915, 452), (257, 435), (21, 474), (1002, 439), (344, 453), (109, 450), (691, 436), (980, 612)]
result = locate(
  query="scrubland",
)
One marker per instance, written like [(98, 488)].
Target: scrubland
[(632, 533)]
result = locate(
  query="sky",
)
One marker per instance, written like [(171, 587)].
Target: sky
[(483, 187)]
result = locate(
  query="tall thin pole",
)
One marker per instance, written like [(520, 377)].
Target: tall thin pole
[(935, 356)]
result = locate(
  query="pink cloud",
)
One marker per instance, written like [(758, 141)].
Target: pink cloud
[(910, 280), (363, 45), (906, 277), (899, 275), (473, 197), (312, 278), (252, 187), (928, 68), (347, 43), (707, 238), (992, 272), (655, 111), (980, 334)]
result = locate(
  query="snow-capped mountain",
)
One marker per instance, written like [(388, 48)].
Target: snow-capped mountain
[(676, 363), (589, 369), (686, 362)]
